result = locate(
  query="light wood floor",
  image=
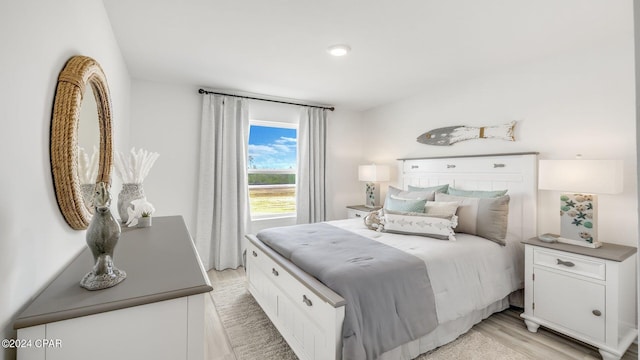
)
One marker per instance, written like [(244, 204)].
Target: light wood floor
[(506, 327)]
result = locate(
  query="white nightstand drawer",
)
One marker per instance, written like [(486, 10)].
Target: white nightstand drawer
[(590, 267), (359, 211)]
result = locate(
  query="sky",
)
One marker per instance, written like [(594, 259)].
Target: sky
[(272, 148)]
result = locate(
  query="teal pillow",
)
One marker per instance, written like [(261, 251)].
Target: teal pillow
[(477, 193), (401, 205), (410, 195), (437, 188)]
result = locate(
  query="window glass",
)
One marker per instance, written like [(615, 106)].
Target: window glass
[(271, 165)]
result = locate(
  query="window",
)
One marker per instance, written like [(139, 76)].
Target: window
[(272, 162)]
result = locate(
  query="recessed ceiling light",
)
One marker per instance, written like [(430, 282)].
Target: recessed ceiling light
[(339, 50)]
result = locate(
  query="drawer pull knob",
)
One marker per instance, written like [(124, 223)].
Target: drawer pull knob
[(358, 215), (449, 166), (566, 263), (306, 300), (596, 312), (255, 254), (274, 272), (498, 165), (415, 166)]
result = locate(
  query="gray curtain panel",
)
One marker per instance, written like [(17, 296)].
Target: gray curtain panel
[(310, 184), (223, 216)]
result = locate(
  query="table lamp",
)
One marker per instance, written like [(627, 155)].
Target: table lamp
[(580, 181), (372, 174)]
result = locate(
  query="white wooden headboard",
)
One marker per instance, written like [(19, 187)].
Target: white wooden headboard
[(516, 172)]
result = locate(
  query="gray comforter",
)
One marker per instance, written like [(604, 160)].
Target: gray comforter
[(389, 300)]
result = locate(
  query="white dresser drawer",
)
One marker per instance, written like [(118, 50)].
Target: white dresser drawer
[(590, 267)]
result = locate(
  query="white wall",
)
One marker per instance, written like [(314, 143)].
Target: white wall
[(166, 119), (636, 14), (579, 102), (347, 147), (38, 37)]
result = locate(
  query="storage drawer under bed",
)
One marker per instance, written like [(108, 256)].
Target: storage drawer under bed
[(309, 323)]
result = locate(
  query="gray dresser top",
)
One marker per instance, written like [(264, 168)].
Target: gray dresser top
[(161, 263), (607, 251)]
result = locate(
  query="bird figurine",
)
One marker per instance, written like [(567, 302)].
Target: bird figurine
[(102, 236)]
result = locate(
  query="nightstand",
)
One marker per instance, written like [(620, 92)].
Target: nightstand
[(359, 211), (588, 294)]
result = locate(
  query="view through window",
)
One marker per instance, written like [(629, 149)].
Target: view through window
[(272, 169)]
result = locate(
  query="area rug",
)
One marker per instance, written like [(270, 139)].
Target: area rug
[(253, 336)]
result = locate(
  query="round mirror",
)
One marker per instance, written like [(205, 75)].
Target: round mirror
[(82, 88), (88, 147)]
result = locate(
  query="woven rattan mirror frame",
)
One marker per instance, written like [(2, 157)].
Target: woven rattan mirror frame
[(77, 73)]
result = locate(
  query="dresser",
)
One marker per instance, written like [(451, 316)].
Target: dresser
[(588, 294), (157, 312), (359, 211)]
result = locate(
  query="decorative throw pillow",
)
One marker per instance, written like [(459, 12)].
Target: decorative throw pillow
[(477, 193), (410, 195), (441, 209), (419, 224), (483, 217), (402, 205), (437, 188)]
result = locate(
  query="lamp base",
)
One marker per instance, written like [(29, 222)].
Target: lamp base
[(373, 193), (578, 220)]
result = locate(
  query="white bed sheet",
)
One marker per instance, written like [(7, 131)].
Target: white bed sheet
[(467, 275), (471, 278)]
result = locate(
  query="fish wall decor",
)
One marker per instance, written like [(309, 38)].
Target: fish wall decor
[(453, 134)]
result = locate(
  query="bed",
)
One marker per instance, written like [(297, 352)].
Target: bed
[(471, 277)]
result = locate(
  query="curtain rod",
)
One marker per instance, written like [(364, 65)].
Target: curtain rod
[(202, 91)]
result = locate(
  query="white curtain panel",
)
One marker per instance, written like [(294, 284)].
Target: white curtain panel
[(223, 216), (310, 184)]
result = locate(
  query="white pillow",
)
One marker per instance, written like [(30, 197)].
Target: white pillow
[(441, 209), (396, 193), (420, 224)]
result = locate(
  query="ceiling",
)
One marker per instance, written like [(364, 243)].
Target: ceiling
[(399, 47)]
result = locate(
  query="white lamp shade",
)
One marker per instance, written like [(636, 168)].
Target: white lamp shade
[(581, 176), (373, 173)]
